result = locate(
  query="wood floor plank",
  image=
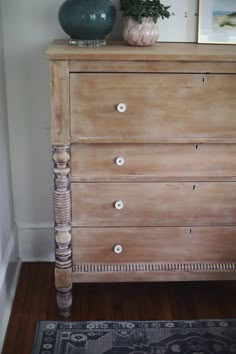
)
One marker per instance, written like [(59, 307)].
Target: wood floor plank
[(35, 300), (14, 326)]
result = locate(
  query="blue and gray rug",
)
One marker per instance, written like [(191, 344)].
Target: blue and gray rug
[(136, 337)]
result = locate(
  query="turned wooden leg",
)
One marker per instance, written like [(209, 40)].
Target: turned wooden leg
[(63, 270), (62, 217), (64, 301)]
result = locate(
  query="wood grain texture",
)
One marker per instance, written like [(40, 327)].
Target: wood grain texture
[(158, 106), (146, 66), (160, 51), (154, 204), (62, 229), (60, 119), (153, 162), (150, 245), (162, 276), (151, 140), (178, 139), (35, 300)]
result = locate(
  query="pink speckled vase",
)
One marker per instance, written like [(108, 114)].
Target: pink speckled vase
[(144, 34)]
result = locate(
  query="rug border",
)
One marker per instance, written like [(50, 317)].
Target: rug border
[(40, 324)]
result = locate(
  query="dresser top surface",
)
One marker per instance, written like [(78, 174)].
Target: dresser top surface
[(61, 50)]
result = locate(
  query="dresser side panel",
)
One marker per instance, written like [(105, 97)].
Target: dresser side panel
[(60, 109)]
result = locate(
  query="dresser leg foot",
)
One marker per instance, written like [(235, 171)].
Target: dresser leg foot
[(64, 301)]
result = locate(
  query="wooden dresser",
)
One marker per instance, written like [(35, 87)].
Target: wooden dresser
[(144, 150)]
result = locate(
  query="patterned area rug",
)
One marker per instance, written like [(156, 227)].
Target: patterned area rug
[(136, 337)]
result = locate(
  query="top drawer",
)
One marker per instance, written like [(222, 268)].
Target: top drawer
[(154, 106)]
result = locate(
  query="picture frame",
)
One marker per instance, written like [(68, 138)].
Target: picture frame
[(217, 21)]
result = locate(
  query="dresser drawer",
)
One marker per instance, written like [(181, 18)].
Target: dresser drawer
[(121, 106), (154, 204), (154, 244), (143, 162)]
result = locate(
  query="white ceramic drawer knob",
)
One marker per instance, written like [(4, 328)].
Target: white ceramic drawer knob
[(119, 204), (118, 249), (120, 161), (121, 107)]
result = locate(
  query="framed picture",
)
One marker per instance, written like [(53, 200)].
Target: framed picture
[(217, 21)]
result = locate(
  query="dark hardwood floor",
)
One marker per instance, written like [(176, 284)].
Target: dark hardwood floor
[(35, 300)]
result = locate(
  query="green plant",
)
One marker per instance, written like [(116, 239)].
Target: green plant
[(144, 8)]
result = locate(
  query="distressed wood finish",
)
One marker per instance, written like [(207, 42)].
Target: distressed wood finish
[(151, 140), (60, 119), (62, 217), (155, 267), (160, 106), (152, 244), (153, 162), (154, 204), (152, 66), (177, 137), (186, 52), (171, 274)]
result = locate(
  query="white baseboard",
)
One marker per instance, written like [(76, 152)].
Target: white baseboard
[(36, 242), (9, 273)]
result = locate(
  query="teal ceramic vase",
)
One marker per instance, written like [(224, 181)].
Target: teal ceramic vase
[(87, 22)]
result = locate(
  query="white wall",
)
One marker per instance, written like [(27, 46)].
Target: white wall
[(8, 233), (29, 26), (6, 206)]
